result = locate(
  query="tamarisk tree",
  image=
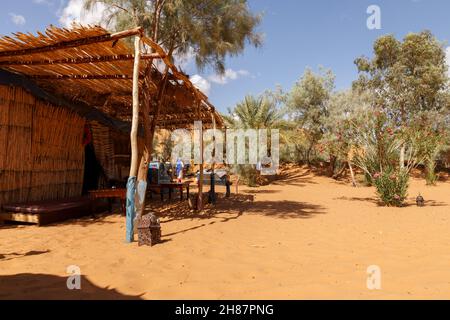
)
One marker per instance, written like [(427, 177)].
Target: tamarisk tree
[(308, 105)]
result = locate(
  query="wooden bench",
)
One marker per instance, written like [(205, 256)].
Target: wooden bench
[(110, 194)]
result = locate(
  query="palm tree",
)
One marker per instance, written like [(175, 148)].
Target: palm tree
[(254, 113)]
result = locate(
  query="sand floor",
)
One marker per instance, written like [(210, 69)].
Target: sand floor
[(303, 237)]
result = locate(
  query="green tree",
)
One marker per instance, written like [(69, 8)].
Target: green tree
[(345, 109), (308, 105), (406, 77)]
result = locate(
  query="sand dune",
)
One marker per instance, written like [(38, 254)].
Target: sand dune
[(303, 237)]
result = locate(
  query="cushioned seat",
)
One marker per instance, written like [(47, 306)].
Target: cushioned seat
[(43, 212), (49, 206)]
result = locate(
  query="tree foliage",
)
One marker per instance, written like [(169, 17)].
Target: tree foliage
[(308, 105), (209, 30), (408, 78)]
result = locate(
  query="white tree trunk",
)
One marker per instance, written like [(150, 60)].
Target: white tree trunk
[(402, 156), (352, 174)]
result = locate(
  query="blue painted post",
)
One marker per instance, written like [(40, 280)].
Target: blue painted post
[(140, 198), (131, 191)]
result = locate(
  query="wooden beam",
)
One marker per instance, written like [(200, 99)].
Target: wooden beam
[(151, 56), (82, 77), (73, 43), (185, 121), (85, 60), (177, 115)]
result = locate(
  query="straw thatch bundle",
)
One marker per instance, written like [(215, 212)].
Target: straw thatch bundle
[(41, 149)]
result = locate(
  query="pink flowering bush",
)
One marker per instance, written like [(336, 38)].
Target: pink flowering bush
[(392, 187)]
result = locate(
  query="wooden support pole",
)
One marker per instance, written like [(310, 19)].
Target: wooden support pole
[(148, 147), (212, 195), (149, 133), (200, 202), (131, 186)]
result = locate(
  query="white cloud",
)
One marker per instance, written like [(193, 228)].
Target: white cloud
[(74, 12), (228, 76), (447, 52), (201, 83), (205, 84), (18, 19), (185, 60), (46, 2)]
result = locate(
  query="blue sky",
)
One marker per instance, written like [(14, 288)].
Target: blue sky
[(298, 34)]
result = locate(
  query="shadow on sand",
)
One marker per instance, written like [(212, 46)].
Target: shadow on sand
[(51, 287), (228, 209), (294, 178), (14, 255), (7, 225), (410, 202), (235, 206)]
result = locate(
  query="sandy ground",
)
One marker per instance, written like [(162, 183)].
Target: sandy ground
[(303, 237)]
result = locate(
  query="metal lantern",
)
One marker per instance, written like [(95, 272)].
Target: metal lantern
[(420, 201), (149, 230)]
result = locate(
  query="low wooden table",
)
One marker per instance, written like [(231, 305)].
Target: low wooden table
[(171, 186), (120, 194)]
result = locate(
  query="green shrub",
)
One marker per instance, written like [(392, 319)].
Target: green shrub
[(392, 187), (430, 172), (248, 174)]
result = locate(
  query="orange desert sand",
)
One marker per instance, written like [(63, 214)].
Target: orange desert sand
[(303, 237)]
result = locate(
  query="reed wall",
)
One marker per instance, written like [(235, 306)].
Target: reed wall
[(41, 149)]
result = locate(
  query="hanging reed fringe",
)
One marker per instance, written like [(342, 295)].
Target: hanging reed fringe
[(112, 150), (41, 150), (103, 147)]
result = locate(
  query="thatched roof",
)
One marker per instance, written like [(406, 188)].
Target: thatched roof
[(90, 66)]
